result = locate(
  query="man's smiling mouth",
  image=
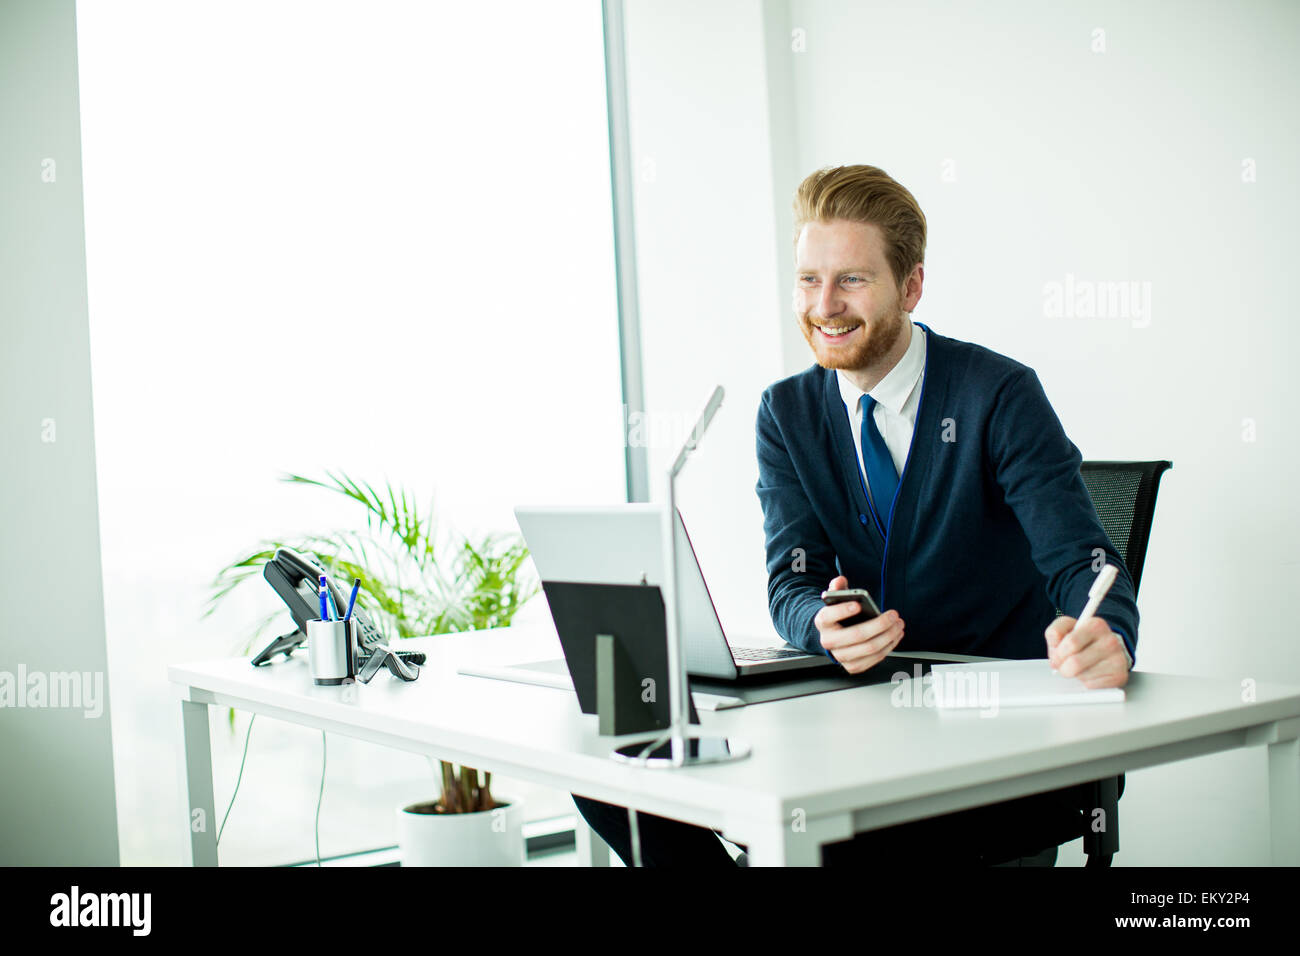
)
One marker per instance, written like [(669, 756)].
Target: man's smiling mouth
[(835, 331)]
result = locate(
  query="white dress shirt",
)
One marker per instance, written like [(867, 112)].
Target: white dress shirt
[(897, 397)]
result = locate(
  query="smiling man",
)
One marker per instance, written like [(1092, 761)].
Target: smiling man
[(933, 473), (930, 471)]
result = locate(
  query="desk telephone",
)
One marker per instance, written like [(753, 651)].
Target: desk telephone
[(294, 577)]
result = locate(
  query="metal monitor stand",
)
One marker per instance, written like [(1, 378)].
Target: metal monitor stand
[(683, 748)]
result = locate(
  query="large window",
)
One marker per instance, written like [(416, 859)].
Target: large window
[(369, 237)]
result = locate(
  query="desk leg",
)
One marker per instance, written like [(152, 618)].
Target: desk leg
[(795, 843), (592, 850), (1284, 801), (200, 816)]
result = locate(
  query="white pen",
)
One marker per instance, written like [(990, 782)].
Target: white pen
[(1096, 594)]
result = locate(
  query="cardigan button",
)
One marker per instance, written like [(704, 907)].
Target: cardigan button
[(862, 519)]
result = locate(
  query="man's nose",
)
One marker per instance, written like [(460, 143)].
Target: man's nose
[(829, 303)]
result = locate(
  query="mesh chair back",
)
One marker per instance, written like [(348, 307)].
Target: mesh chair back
[(1124, 494)]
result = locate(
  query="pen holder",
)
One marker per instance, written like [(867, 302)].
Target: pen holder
[(332, 649)]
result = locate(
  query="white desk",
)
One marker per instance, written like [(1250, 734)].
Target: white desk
[(823, 767)]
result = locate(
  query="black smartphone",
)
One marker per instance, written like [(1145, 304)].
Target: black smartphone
[(869, 609)]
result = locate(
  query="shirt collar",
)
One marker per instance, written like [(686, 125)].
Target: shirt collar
[(896, 387)]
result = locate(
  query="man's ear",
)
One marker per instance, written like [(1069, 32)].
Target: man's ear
[(912, 288)]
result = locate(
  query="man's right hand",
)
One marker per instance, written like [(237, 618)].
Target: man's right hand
[(862, 646)]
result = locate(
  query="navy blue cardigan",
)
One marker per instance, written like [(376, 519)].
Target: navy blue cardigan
[(992, 528)]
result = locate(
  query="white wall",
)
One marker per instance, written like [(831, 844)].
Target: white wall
[(56, 762), (707, 269), (1034, 158)]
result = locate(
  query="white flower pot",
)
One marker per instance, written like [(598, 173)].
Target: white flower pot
[(486, 838)]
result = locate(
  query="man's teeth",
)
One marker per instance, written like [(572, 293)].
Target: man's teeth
[(837, 331)]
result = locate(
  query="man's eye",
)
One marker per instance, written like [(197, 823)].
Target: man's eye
[(852, 279)]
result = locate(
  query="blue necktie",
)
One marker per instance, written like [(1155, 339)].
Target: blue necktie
[(879, 464)]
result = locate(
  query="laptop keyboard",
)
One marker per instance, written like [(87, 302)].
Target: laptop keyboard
[(764, 653)]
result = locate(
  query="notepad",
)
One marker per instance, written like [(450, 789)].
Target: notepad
[(1031, 683)]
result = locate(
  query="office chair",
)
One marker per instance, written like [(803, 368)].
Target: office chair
[(1124, 494)]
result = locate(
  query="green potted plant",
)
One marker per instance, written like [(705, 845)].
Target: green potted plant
[(418, 581)]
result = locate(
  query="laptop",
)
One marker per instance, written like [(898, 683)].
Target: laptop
[(623, 544)]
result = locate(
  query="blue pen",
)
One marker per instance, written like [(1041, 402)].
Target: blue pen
[(324, 602), (356, 585)]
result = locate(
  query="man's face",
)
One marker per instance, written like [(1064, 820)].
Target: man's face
[(842, 282)]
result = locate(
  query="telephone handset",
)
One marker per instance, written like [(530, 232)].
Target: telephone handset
[(295, 578)]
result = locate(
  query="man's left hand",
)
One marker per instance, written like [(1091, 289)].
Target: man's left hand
[(1093, 653)]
